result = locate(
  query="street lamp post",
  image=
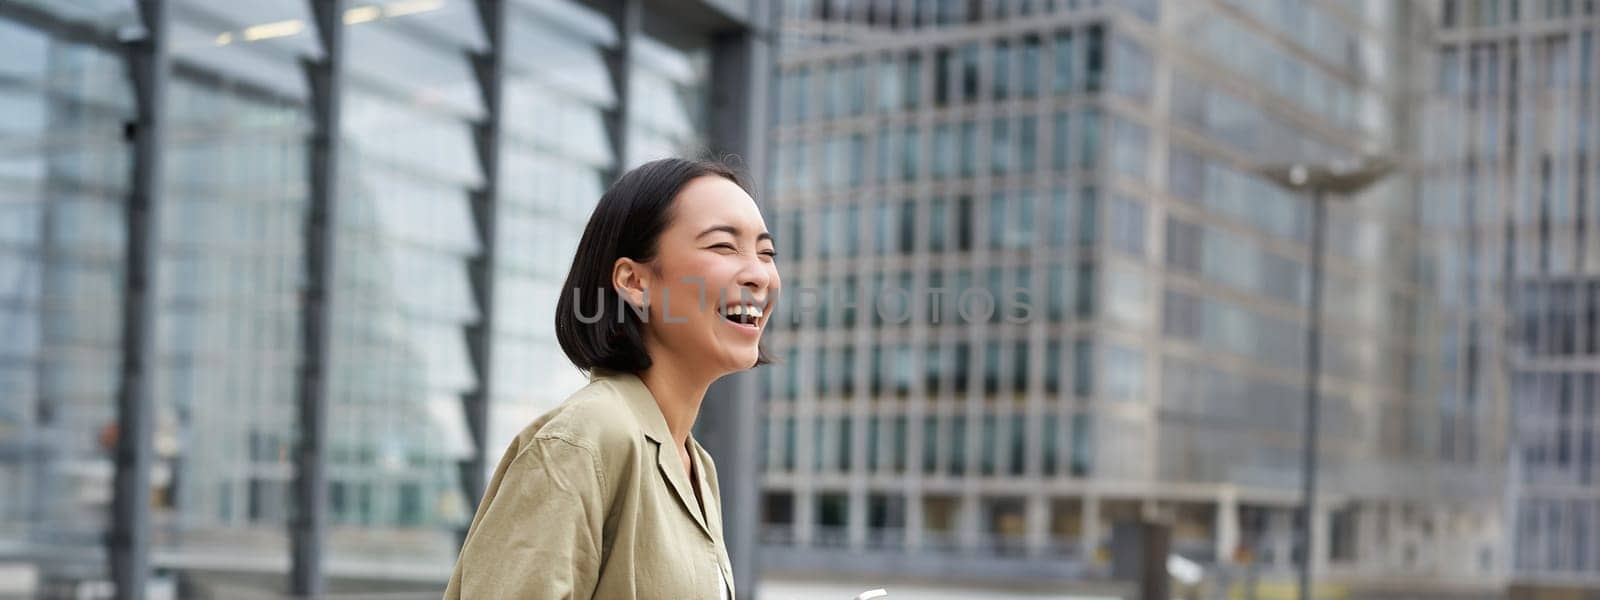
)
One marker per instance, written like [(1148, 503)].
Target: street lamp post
[(1343, 178)]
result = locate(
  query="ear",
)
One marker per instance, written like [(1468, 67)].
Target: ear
[(631, 280)]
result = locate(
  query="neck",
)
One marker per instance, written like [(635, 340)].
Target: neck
[(678, 391)]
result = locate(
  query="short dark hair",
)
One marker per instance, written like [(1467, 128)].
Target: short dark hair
[(627, 222)]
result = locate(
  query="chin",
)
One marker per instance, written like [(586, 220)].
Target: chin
[(741, 360)]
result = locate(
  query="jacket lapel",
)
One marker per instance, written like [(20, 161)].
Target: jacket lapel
[(645, 410), (712, 504), (672, 469)]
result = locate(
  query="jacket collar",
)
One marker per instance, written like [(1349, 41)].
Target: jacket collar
[(640, 401), (648, 413)]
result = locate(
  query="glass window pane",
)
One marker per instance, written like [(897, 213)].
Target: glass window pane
[(969, 148), (912, 88), (885, 162), (1089, 138), (938, 224), (1060, 142), (969, 72), (884, 235), (944, 151), (1030, 75), (941, 76), (1000, 146), (858, 86), (889, 83), (910, 154), (958, 446), (1002, 70), (1133, 74), (1064, 79), (1094, 70), (987, 445), (1126, 220), (1027, 144), (908, 229)]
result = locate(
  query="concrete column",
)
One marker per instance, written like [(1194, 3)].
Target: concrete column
[(1090, 541), (805, 515), (1444, 550), (1368, 553), (856, 524), (968, 519), (1038, 523), (1396, 529), (914, 520), (1280, 530), (1227, 525), (1319, 539)]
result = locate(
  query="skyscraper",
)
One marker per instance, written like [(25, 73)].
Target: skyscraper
[(473, 140), (1099, 156), (1510, 203)]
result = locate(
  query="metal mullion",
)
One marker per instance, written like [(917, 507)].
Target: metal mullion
[(128, 540), (489, 69), (63, 29), (308, 523), (627, 17)]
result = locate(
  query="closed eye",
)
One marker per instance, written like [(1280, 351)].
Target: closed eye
[(722, 245)]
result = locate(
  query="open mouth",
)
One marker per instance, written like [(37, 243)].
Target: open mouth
[(743, 314)]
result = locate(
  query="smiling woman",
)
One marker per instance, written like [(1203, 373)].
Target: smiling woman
[(608, 495)]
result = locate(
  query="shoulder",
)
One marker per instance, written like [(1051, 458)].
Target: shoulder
[(596, 418), (593, 436)]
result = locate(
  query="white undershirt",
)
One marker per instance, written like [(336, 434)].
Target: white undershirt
[(724, 586)]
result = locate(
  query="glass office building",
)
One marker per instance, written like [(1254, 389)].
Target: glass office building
[(411, 262), (1097, 155), (1511, 189)]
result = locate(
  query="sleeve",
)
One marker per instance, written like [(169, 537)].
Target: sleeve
[(537, 534)]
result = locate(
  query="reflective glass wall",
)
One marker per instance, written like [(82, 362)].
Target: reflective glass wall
[(64, 176), (233, 268), (230, 273)]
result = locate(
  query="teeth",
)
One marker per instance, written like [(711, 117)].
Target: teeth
[(742, 310)]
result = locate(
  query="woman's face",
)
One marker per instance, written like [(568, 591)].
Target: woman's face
[(713, 283)]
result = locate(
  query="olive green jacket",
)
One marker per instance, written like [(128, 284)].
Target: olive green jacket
[(592, 501)]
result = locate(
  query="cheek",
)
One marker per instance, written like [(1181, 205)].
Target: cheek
[(687, 301), (690, 288), (719, 276)]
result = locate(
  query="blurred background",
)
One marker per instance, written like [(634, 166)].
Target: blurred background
[(277, 280)]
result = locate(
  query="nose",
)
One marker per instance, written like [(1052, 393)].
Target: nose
[(757, 277)]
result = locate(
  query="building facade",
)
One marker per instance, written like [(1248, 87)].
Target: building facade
[(1509, 207), (474, 139), (1097, 156)]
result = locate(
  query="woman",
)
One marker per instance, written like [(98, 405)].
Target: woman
[(608, 495)]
